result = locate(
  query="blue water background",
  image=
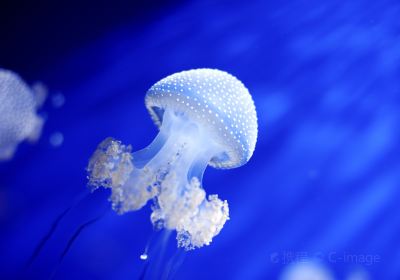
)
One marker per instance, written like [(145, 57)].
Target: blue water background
[(323, 181)]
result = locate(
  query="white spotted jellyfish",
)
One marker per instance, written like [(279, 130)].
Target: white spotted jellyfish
[(205, 117), (19, 120)]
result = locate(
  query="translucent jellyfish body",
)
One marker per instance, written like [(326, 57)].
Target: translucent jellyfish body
[(18, 118), (306, 270), (205, 117)]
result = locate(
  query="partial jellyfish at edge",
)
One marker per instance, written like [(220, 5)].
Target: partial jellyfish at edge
[(306, 270), (205, 117), (358, 273), (19, 120)]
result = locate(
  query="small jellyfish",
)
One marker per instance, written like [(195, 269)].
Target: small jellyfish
[(358, 274), (205, 117), (306, 270), (19, 120)]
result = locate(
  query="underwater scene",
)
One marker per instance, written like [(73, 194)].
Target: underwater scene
[(200, 139)]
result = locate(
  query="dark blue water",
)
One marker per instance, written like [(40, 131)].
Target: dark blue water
[(324, 179)]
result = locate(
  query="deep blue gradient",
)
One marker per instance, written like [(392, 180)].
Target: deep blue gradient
[(324, 178)]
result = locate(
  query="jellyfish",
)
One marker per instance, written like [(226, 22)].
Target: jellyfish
[(19, 120), (205, 117), (306, 270), (358, 274)]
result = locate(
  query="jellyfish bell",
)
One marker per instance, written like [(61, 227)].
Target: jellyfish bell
[(19, 120), (216, 102), (205, 117)]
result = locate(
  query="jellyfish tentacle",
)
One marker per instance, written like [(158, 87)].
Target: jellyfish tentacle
[(182, 203), (169, 172), (143, 183), (173, 264), (71, 242), (55, 224), (45, 238)]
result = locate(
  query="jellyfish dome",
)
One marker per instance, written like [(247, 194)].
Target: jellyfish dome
[(18, 118), (205, 117)]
